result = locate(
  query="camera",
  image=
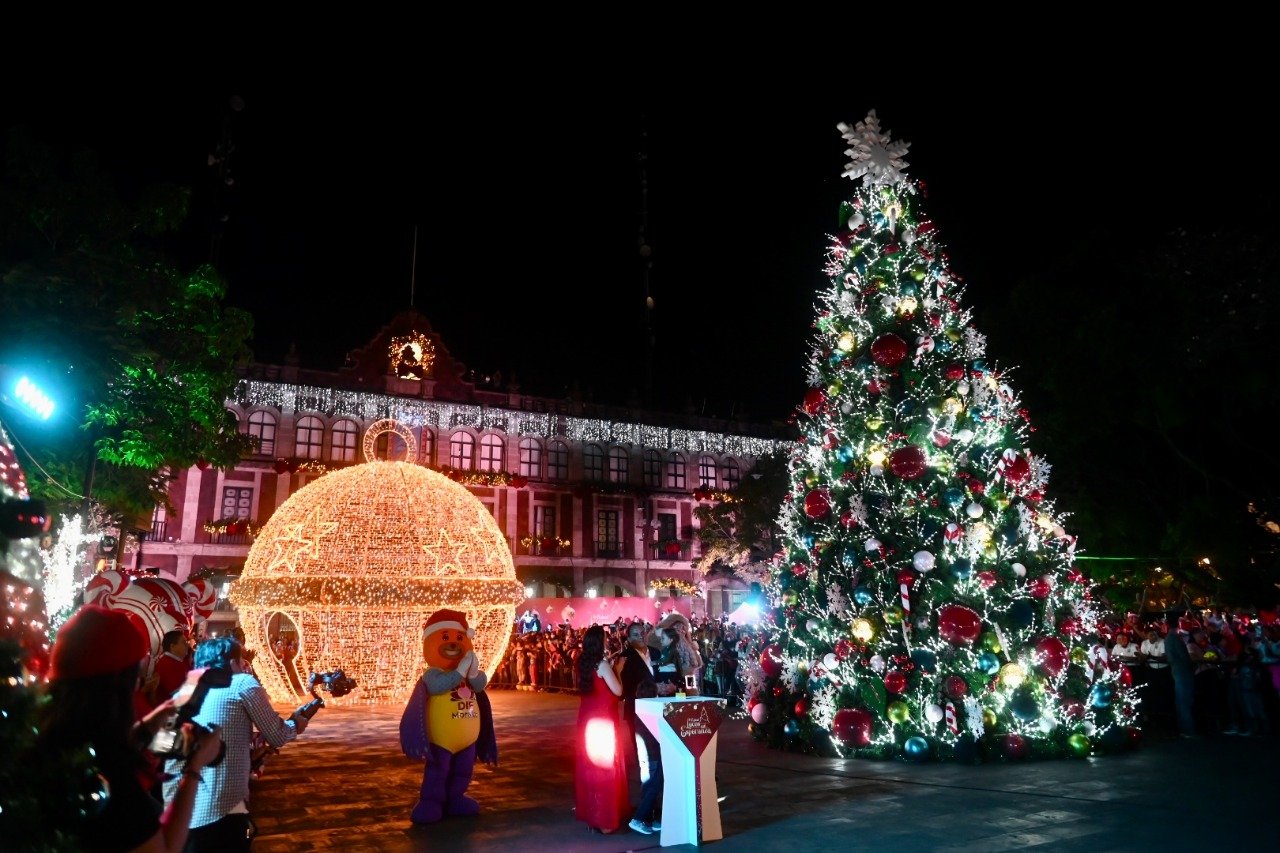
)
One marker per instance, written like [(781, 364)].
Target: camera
[(169, 740), (335, 683)]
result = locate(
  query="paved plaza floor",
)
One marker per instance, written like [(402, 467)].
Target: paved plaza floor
[(343, 785)]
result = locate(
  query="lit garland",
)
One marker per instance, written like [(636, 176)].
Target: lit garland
[(358, 560), (676, 586), (63, 560), (546, 543), (411, 356), (926, 603), (416, 412), (232, 527)]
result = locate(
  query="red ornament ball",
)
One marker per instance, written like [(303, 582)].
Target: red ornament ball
[(953, 372), (1015, 746), (955, 687), (1126, 676), (1017, 470), (799, 570), (847, 520), (895, 682), (977, 486), (843, 649), (959, 625), (907, 462), (777, 691), (987, 579), (802, 707), (1052, 654), (888, 350), (771, 661), (852, 726), (815, 400), (1073, 709), (906, 576), (1041, 587), (817, 503)]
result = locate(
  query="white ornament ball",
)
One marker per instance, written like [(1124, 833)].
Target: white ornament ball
[(846, 298), (1019, 570), (759, 714), (872, 545), (933, 713), (973, 510), (855, 221), (876, 470), (811, 625), (923, 561), (876, 663), (1088, 728), (829, 660), (1047, 724), (908, 236), (846, 407), (964, 436), (962, 389)]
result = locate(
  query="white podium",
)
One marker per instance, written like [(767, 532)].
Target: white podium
[(687, 731)]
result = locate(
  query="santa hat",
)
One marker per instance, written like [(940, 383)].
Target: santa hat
[(443, 619), (98, 641)]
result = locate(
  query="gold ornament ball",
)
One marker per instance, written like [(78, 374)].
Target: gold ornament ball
[(357, 560), (898, 712), (988, 719), (1079, 655), (894, 615)]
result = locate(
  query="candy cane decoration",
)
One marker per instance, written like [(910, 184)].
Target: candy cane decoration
[(1004, 644), (950, 712)]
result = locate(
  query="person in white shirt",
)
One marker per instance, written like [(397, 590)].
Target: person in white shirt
[(1124, 650), (1152, 650)]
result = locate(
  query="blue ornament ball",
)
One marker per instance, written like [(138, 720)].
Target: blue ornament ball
[(925, 659), (942, 345), (1100, 696), (962, 569), (791, 729), (862, 596), (846, 453), (988, 663), (1024, 706), (954, 497), (1021, 613), (916, 748)]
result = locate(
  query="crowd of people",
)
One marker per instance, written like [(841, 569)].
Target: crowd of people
[(543, 657), (1211, 673)]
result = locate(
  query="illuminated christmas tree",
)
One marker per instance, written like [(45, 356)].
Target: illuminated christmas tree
[(926, 603)]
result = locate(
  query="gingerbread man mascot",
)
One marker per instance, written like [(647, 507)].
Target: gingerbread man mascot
[(448, 721)]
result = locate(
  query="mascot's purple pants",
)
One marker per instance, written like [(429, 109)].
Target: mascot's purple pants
[(444, 785)]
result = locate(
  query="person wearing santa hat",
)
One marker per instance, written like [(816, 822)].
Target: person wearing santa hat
[(448, 721), (92, 677)]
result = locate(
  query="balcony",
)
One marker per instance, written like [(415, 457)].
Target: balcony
[(546, 546), (671, 549)]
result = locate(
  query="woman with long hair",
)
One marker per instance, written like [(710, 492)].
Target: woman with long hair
[(600, 779), (92, 680)]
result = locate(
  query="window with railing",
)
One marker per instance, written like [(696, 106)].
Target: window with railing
[(732, 474), (308, 438), (342, 441), (237, 507), (261, 426), (491, 452), (159, 524), (608, 542), (530, 458), (427, 446)]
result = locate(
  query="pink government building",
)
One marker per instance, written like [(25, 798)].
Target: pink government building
[(593, 500)]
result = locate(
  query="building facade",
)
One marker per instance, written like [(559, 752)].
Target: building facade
[(592, 500)]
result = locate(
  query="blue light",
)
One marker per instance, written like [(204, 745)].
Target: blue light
[(35, 399)]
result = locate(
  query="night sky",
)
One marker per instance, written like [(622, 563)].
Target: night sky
[(526, 199)]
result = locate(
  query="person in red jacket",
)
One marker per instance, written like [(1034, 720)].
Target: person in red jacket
[(172, 666)]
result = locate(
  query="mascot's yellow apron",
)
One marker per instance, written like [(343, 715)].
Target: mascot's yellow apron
[(454, 722)]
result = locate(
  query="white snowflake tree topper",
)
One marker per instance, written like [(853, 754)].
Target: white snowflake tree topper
[(875, 156)]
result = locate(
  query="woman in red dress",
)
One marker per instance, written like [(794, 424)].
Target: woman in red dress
[(600, 780)]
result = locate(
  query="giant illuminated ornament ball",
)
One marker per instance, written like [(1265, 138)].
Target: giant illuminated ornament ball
[(356, 561)]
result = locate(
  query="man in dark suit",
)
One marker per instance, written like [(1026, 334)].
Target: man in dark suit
[(636, 675)]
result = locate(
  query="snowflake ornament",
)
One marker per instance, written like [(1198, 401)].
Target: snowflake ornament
[(876, 157)]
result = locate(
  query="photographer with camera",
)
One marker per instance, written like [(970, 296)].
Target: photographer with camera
[(92, 678), (231, 706)]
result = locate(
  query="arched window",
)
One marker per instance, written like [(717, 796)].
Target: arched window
[(342, 441), (262, 426), (426, 446), (618, 463), (707, 471), (731, 473), (592, 462), (651, 467), (462, 448), (675, 471), (308, 438), (557, 461), (530, 458), (491, 452)]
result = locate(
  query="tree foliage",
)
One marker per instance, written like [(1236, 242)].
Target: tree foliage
[(141, 351), (743, 528)]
